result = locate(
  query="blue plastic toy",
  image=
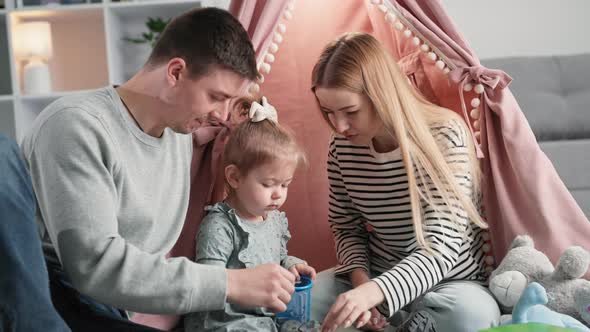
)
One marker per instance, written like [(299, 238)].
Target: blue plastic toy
[(300, 305), (531, 308)]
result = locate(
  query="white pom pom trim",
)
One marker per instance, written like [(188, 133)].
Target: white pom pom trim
[(478, 88), (273, 47), (254, 88), (475, 102), (281, 27), (288, 15), (439, 64), (265, 68), (432, 56), (467, 87), (390, 17), (269, 58), (474, 113), (278, 38), (425, 48)]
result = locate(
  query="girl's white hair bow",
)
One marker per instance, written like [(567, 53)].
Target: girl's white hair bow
[(265, 111)]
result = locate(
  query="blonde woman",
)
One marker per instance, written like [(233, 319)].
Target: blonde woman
[(404, 189)]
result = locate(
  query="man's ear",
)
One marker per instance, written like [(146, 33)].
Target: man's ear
[(232, 176), (175, 69)]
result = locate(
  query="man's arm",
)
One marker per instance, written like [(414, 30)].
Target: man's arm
[(73, 165)]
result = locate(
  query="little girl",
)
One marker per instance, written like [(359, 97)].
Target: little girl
[(247, 229)]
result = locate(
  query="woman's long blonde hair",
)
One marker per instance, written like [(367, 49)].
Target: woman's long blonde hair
[(358, 63)]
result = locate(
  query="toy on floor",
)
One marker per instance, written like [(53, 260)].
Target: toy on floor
[(297, 326), (523, 264), (531, 308)]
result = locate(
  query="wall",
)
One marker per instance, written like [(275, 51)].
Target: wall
[(503, 28)]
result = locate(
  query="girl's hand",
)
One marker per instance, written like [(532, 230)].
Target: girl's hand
[(353, 307), (302, 269)]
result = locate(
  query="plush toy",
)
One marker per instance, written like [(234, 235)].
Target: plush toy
[(566, 292), (531, 308)]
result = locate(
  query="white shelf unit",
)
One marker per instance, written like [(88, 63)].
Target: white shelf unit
[(89, 50)]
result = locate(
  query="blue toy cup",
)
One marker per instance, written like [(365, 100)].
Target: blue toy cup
[(299, 307)]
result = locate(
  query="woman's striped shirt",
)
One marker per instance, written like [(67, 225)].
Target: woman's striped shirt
[(370, 216)]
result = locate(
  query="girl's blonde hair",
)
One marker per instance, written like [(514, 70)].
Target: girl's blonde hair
[(253, 144), (358, 63)]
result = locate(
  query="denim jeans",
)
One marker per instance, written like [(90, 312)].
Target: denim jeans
[(25, 303), (30, 293)]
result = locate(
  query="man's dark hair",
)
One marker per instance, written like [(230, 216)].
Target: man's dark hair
[(206, 37)]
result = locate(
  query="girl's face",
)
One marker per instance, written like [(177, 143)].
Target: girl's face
[(263, 189), (351, 114)]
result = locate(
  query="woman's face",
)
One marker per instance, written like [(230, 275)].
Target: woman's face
[(351, 114)]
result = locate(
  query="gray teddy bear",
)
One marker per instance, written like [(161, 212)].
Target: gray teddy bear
[(523, 264)]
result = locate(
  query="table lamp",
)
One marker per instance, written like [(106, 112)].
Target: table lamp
[(32, 42)]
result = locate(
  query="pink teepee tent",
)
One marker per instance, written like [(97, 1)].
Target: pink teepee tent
[(522, 191)]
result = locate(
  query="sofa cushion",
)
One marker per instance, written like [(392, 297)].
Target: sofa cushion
[(572, 162), (553, 92)]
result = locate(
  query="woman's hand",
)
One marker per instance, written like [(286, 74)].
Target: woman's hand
[(353, 307), (302, 269), (377, 321), (373, 318), (267, 285)]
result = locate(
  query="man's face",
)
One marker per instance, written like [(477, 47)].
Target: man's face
[(204, 99)]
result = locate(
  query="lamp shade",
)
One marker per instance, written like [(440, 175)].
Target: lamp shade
[(33, 40)]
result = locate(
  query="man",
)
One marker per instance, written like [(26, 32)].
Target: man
[(110, 169)]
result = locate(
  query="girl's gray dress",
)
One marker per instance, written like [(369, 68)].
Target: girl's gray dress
[(226, 239)]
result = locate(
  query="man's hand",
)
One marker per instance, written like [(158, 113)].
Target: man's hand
[(302, 269), (267, 285)]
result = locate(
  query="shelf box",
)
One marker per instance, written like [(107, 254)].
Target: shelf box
[(79, 50), (30, 108), (7, 123), (127, 19), (54, 3), (5, 81)]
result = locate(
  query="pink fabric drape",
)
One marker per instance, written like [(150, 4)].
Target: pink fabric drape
[(523, 193)]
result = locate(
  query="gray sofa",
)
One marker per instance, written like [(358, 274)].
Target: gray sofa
[(554, 94)]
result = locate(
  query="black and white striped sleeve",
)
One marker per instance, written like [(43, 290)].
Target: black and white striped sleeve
[(346, 223), (444, 229)]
